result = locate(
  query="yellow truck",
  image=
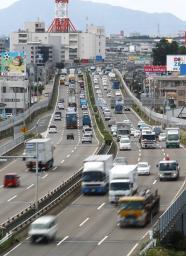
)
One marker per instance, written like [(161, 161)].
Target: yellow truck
[(138, 210)]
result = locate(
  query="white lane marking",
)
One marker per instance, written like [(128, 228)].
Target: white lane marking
[(65, 238), (139, 154), (101, 206), (140, 150), (164, 153), (82, 223), (12, 198), (100, 242), (144, 235), (28, 238), (12, 249), (68, 156), (154, 182), (62, 161), (2, 169), (75, 148), (131, 251), (46, 175), (72, 151), (54, 168), (30, 186), (163, 149), (139, 159)]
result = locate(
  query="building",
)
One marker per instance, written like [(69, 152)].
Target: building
[(169, 87), (14, 94), (62, 47)]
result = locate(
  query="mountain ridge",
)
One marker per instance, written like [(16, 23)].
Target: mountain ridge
[(113, 18)]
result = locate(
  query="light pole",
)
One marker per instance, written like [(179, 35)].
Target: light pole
[(36, 198)]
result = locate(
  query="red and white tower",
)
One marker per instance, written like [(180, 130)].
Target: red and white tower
[(61, 22)]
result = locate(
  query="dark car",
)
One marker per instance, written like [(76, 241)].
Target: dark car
[(70, 136)]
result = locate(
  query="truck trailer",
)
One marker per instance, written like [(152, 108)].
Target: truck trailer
[(95, 175), (172, 137), (45, 150), (122, 181)]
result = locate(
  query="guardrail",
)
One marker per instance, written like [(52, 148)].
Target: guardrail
[(167, 220), (11, 145), (163, 119)]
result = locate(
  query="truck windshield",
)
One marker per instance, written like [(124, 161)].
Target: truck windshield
[(167, 166), (173, 137), (148, 137), (123, 132), (93, 176), (120, 186), (135, 205)]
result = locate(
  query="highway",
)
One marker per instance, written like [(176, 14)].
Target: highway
[(68, 158), (88, 226)]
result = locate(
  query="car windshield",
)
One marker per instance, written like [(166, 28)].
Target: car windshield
[(125, 140), (40, 226), (131, 205), (168, 166), (52, 127), (119, 186), (142, 165), (93, 176)]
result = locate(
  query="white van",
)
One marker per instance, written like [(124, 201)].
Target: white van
[(43, 228)]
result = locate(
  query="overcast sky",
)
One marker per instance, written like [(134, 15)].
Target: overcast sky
[(177, 7)]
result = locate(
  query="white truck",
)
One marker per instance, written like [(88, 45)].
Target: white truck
[(95, 175), (122, 182), (172, 137), (148, 139), (168, 170), (43, 148), (122, 129)]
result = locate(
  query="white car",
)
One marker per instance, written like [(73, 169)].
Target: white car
[(132, 131), (52, 129), (118, 93), (162, 136), (137, 134), (61, 105), (124, 143), (87, 130), (109, 94), (96, 86), (87, 138), (143, 168), (84, 107)]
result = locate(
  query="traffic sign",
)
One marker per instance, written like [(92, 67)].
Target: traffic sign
[(24, 129)]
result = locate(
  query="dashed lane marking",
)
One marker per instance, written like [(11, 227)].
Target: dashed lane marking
[(68, 156), (102, 240), (12, 198), (82, 223), (62, 161), (154, 182), (30, 186), (101, 206), (63, 240)]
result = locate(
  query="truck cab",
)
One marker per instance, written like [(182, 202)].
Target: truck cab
[(172, 137), (168, 170), (139, 209)]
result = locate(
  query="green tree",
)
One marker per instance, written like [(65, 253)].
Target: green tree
[(162, 49)]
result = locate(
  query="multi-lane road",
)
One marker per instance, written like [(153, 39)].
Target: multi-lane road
[(87, 227), (68, 158)]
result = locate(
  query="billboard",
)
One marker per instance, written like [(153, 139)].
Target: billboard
[(155, 69), (12, 64), (174, 62)]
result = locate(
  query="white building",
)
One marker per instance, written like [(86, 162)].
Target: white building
[(14, 93), (63, 47)]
